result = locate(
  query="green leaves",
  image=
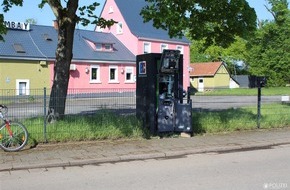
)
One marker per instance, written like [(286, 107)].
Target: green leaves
[(2, 28), (87, 16), (269, 50), (7, 4), (215, 21)]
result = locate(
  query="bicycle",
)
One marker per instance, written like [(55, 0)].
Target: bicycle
[(13, 135)]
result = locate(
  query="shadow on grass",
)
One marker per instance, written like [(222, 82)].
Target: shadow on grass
[(108, 124), (208, 120)]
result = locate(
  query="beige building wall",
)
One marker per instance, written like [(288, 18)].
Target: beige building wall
[(220, 80), (20, 77)]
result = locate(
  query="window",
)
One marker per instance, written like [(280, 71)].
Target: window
[(47, 37), (180, 48), (18, 48), (163, 47), (98, 47), (95, 74), (120, 28), (108, 47), (111, 10), (147, 47), (22, 87), (113, 74), (129, 74)]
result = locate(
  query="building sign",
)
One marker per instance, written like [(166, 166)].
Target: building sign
[(142, 67), (17, 25)]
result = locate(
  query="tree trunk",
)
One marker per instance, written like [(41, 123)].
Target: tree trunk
[(61, 68)]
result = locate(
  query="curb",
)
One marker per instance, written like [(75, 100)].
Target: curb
[(146, 156)]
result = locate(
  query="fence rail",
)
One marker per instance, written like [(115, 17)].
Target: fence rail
[(123, 101)]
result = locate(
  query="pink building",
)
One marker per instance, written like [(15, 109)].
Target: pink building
[(100, 63), (141, 37)]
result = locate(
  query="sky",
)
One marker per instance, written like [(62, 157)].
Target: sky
[(45, 16)]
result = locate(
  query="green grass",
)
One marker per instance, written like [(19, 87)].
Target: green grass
[(272, 116), (247, 91), (110, 126), (102, 126)]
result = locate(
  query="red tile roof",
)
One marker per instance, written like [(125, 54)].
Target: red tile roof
[(204, 69)]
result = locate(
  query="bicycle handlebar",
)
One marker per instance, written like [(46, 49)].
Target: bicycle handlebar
[(3, 109)]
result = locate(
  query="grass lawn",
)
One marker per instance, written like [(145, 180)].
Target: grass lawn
[(272, 116), (107, 125)]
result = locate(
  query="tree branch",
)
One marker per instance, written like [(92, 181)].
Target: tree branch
[(270, 11)]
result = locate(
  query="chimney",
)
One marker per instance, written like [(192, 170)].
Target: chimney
[(55, 24)]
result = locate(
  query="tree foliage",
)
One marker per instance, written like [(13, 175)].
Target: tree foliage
[(234, 56), (269, 50), (2, 28), (216, 21)]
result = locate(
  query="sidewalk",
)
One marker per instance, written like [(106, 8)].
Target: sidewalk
[(97, 152)]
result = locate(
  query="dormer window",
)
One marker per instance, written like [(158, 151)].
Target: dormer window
[(108, 47), (103, 47), (98, 47)]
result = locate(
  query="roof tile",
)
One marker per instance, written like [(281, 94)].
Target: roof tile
[(204, 69), (37, 47)]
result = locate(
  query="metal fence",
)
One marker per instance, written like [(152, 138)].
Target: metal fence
[(25, 108)]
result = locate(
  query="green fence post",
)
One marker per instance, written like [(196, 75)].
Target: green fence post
[(259, 107), (44, 115)]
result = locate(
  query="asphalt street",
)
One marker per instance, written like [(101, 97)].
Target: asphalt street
[(260, 169)]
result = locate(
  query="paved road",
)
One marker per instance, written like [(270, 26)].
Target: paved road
[(226, 102), (127, 105), (256, 170)]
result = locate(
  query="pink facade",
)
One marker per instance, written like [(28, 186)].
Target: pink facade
[(101, 76), (139, 45)]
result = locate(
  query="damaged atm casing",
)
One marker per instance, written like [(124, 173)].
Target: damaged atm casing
[(161, 103)]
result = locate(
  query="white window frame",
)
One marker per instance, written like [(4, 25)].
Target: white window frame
[(162, 47), (98, 79), (147, 44), (129, 70), (116, 79), (27, 86), (119, 28), (180, 48)]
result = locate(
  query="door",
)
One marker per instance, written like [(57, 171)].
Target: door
[(200, 85), (22, 88)]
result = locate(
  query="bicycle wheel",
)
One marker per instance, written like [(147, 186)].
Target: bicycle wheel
[(15, 142)]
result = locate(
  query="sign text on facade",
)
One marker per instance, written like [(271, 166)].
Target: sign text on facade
[(17, 25)]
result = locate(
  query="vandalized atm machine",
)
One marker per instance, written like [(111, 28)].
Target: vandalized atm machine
[(161, 103)]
